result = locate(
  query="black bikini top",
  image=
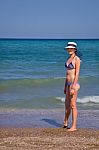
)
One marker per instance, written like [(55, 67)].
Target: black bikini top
[(70, 65)]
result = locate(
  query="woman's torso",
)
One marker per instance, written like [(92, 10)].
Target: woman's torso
[(71, 69)]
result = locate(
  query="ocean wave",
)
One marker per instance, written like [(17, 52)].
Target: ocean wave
[(30, 81), (83, 100), (59, 77), (82, 79), (89, 99), (87, 79)]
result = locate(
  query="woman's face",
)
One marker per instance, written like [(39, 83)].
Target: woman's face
[(71, 51)]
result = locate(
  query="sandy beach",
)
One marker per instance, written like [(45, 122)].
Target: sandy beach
[(48, 139), (42, 130)]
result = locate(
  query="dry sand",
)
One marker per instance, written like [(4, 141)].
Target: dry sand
[(48, 139)]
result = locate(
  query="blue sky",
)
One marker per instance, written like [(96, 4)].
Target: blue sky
[(49, 19)]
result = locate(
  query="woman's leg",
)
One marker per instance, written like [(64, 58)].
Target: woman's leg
[(74, 112), (67, 106)]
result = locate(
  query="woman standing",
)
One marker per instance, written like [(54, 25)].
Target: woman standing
[(71, 85)]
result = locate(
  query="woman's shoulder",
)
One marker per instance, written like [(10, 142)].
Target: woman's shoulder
[(77, 58)]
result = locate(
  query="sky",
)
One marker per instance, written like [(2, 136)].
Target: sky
[(66, 19)]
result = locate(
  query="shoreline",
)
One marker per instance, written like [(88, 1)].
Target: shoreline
[(46, 118), (48, 138)]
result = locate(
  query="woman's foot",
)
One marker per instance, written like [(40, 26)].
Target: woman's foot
[(65, 125), (72, 129)]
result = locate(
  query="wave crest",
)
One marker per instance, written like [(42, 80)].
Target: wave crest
[(86, 99)]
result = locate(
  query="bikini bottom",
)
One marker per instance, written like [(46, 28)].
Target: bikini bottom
[(70, 83)]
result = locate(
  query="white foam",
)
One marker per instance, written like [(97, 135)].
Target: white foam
[(86, 99), (62, 99)]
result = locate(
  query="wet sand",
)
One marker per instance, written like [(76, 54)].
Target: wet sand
[(50, 118), (48, 139)]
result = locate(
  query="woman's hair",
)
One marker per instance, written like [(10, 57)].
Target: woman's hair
[(79, 54)]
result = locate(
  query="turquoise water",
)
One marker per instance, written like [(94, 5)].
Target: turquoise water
[(32, 73)]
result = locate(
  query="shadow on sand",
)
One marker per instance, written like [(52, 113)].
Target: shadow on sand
[(52, 122)]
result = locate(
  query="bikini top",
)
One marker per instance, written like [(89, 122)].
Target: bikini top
[(70, 65)]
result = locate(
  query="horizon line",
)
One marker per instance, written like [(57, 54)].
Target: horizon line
[(13, 38)]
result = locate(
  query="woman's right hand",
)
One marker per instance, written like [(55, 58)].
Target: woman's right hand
[(72, 91)]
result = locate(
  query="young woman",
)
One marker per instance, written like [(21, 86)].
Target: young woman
[(71, 85)]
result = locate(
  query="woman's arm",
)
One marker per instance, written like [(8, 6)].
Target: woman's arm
[(77, 67), (65, 85)]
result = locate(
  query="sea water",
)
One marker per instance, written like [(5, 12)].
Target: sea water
[(32, 73)]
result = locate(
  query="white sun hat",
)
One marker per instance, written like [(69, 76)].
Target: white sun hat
[(71, 45)]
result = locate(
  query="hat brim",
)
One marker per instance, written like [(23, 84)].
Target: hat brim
[(70, 47)]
